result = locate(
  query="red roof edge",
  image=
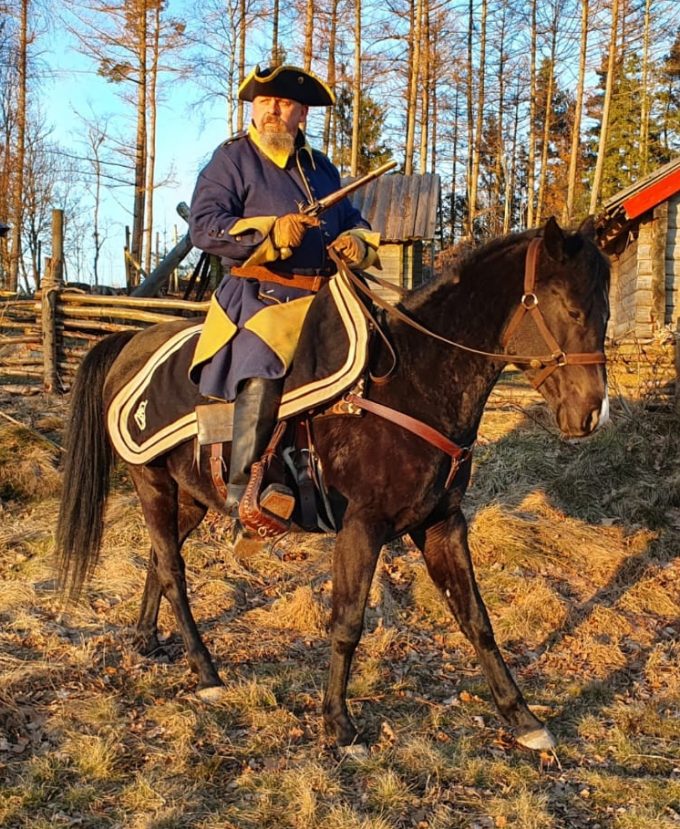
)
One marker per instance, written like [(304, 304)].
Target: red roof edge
[(648, 198)]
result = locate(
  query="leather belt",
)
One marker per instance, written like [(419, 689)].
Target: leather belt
[(294, 280)]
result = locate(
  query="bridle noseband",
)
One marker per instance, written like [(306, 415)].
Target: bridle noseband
[(529, 305)]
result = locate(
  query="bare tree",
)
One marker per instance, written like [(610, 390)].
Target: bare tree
[(479, 119), (16, 214), (543, 173), (602, 144), (578, 112), (356, 90), (531, 172), (415, 42)]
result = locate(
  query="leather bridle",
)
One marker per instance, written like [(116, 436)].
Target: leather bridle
[(529, 305)]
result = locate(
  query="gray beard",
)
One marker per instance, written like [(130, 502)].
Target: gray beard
[(277, 141)]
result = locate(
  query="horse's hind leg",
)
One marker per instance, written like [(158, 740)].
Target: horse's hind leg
[(191, 513), (447, 555), (158, 494), (354, 559)]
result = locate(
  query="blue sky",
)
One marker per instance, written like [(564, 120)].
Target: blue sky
[(186, 138)]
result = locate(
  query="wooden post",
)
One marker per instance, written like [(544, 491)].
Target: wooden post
[(51, 286)]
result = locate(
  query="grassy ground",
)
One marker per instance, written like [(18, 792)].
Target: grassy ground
[(576, 551)]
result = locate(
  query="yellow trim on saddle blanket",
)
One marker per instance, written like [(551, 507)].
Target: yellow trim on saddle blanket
[(130, 400)]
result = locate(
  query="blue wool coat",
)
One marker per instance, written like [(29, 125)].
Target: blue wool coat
[(242, 336), (240, 181)]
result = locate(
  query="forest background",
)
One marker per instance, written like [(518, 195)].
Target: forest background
[(108, 109)]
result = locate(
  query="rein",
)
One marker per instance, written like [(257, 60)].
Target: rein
[(528, 304)]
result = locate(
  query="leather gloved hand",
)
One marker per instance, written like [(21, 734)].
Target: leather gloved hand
[(289, 229), (351, 249)]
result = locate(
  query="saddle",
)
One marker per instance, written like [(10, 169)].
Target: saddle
[(290, 459)]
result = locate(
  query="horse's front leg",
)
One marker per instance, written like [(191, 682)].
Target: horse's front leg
[(158, 494), (447, 555), (354, 559), (191, 513)]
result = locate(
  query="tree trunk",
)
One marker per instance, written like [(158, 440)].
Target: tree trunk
[(412, 102), (531, 171), (511, 174), (330, 72), (578, 111), (454, 169), (20, 155), (356, 90), (602, 145), (276, 52), (136, 240), (547, 120), (499, 149), (645, 96), (241, 59), (470, 119), (309, 33), (479, 120), (425, 88), (152, 109)]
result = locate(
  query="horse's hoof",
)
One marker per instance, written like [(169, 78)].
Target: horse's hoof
[(540, 739), (355, 751), (212, 695)]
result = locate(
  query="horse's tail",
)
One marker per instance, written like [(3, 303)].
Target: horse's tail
[(87, 467)]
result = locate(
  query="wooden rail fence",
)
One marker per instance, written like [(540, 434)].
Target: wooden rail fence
[(43, 340)]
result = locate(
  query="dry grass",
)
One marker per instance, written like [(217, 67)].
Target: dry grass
[(576, 553)]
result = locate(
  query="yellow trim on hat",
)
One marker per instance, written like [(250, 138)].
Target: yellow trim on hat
[(253, 75), (280, 325)]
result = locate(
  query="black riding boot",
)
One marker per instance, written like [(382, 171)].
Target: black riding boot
[(255, 411), (255, 414)]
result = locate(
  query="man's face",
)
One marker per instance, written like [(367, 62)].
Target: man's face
[(274, 116)]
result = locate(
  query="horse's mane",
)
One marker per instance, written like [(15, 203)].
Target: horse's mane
[(463, 258)]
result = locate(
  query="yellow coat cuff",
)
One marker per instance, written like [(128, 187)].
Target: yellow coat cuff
[(265, 251), (371, 238)]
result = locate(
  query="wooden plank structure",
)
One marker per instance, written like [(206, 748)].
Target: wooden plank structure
[(404, 210), (639, 228)]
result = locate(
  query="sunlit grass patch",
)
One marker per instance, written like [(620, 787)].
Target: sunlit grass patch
[(521, 808), (344, 816), (141, 796), (631, 802), (300, 611), (388, 793), (28, 465)]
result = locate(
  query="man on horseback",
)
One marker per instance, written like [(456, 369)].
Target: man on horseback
[(246, 208)]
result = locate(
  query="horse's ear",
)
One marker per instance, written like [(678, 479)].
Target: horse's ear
[(588, 229), (554, 239)]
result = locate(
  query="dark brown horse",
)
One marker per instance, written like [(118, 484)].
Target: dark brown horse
[(385, 481)]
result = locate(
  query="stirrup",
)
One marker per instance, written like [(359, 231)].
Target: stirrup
[(278, 500)]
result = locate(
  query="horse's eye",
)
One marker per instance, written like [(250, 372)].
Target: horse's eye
[(578, 316)]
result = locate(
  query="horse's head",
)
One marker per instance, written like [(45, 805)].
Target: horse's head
[(562, 321)]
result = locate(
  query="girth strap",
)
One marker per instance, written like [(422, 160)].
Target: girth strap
[(458, 454)]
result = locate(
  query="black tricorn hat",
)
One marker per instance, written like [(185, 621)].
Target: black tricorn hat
[(286, 82)]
